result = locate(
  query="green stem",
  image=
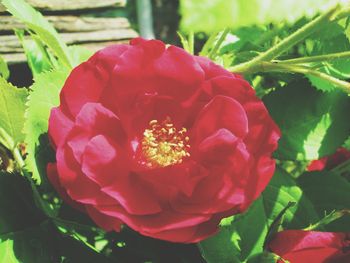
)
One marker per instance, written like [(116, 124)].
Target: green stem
[(343, 13), (313, 59), (269, 35), (74, 225), (288, 42), (218, 44), (328, 219), (18, 158), (342, 168), (37, 196), (208, 44), (277, 67), (191, 42)]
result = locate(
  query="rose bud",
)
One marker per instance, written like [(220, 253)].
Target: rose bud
[(298, 246), (329, 162), (160, 140)]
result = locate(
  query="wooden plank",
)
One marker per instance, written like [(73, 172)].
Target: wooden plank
[(10, 44), (71, 5), (16, 58), (71, 23), (98, 36)]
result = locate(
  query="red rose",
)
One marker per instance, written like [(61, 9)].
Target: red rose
[(298, 246), (329, 162), (163, 141)]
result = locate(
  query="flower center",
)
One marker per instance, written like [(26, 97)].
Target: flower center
[(163, 144)]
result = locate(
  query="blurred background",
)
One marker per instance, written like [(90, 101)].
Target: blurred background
[(90, 24), (94, 24)]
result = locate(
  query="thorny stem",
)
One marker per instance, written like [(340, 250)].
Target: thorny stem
[(313, 59), (328, 219), (342, 168), (288, 42), (262, 63), (278, 67), (218, 44)]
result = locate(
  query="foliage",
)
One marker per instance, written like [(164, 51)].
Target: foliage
[(40, 26), (309, 130), (299, 67), (4, 70), (44, 96), (12, 106), (245, 235), (239, 13)]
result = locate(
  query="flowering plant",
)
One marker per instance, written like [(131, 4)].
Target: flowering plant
[(147, 152), (168, 150)]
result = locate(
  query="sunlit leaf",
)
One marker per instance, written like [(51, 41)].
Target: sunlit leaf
[(37, 23), (244, 237), (4, 70), (12, 107), (237, 13), (45, 95), (313, 123), (37, 57), (328, 192)]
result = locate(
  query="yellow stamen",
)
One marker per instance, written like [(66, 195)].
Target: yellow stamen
[(164, 145)]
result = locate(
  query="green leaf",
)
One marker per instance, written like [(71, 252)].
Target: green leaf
[(18, 209), (339, 68), (27, 235), (12, 107), (79, 54), (265, 257), (45, 96), (4, 70), (282, 190), (22, 227), (238, 13), (20, 218), (328, 192), (32, 245), (347, 144), (7, 254), (37, 57), (313, 123), (186, 43), (329, 218), (244, 237), (37, 23)]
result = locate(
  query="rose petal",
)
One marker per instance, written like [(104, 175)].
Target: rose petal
[(236, 88), (263, 132), (217, 148), (167, 220), (103, 161), (85, 84), (107, 223), (310, 246), (134, 196), (211, 69), (108, 57), (59, 126), (136, 116), (52, 175), (168, 181), (220, 112), (94, 119), (77, 185), (179, 66)]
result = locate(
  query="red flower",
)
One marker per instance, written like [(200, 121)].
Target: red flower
[(298, 246), (329, 162), (163, 141)]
